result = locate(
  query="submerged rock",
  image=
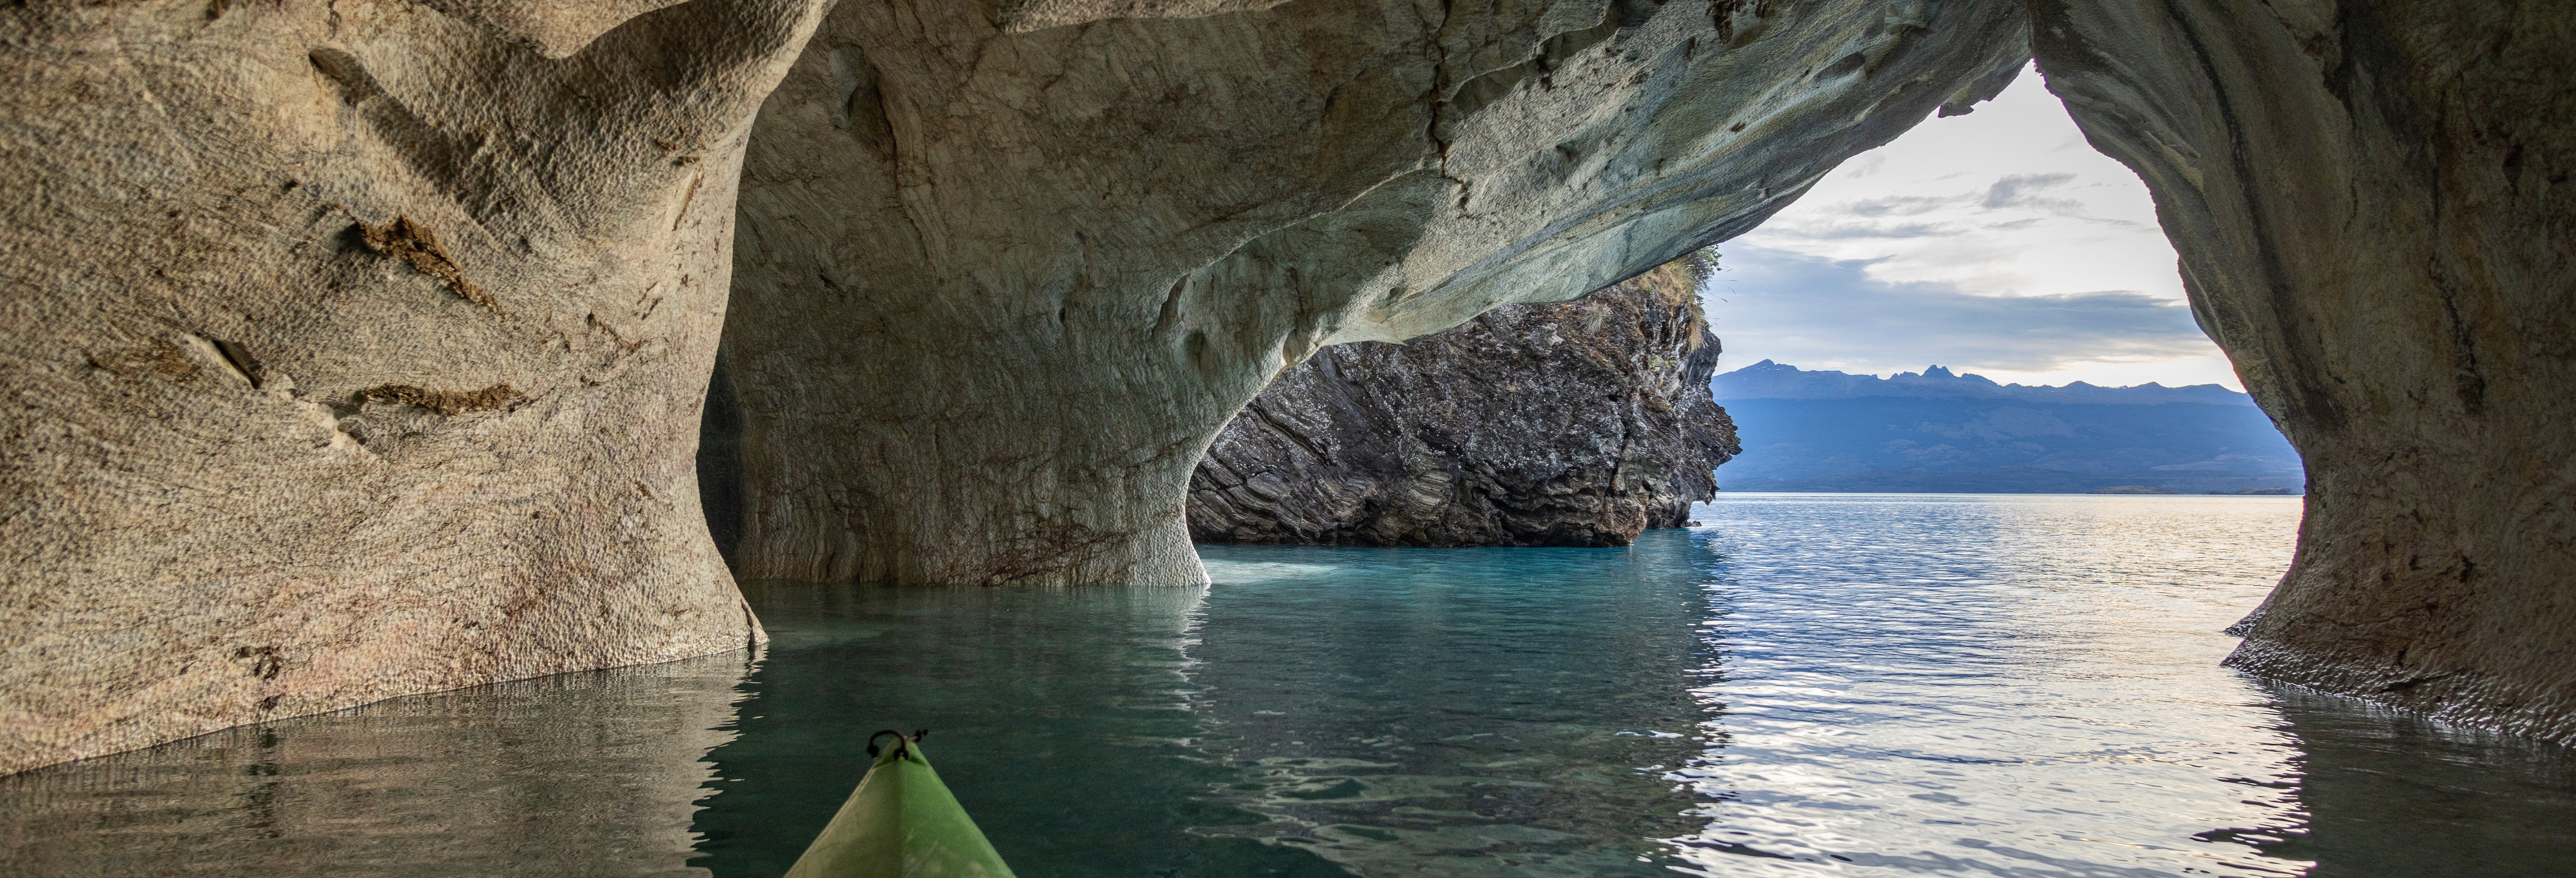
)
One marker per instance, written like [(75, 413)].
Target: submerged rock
[(1571, 424)]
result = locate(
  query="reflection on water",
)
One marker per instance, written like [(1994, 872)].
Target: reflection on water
[(1457, 712), (2029, 686), (589, 774), (2393, 794), (1981, 685), (1812, 684), (1061, 718)]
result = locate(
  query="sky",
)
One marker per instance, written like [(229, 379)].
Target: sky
[(1997, 242)]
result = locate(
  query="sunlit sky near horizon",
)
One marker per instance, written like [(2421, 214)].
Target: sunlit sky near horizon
[(1997, 242)]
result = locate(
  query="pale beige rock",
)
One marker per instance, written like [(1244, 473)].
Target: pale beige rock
[(2373, 207), (354, 350), (996, 290)]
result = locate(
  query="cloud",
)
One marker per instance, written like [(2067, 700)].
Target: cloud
[(1908, 230), (1815, 312), (2017, 191), (1903, 205), (1997, 241)]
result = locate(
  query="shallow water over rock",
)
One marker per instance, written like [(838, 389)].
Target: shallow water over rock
[(1809, 684)]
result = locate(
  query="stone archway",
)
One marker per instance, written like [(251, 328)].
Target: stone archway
[(354, 351), (2363, 197)]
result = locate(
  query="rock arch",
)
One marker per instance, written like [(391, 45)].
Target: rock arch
[(355, 350)]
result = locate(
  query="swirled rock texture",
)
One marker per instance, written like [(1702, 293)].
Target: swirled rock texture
[(2373, 205), (355, 350), (1578, 423), (1001, 279)]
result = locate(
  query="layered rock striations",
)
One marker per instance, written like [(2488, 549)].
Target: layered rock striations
[(1572, 424), (355, 350), (2374, 208), (1001, 280)]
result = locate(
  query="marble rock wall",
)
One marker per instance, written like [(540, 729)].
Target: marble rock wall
[(355, 350), (2372, 203), (1000, 280)]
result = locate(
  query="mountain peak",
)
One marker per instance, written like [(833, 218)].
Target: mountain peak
[(1773, 380)]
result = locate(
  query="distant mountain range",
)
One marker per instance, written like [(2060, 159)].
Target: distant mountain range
[(1936, 431)]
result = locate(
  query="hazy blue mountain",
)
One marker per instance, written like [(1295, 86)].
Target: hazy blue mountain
[(1938, 431)]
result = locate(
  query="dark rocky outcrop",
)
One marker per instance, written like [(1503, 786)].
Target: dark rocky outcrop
[(1578, 423)]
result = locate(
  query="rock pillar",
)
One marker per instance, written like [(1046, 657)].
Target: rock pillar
[(355, 350), (2373, 207)]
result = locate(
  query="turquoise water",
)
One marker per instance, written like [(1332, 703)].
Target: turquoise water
[(1806, 685)]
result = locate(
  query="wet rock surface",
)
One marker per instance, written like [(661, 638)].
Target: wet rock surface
[(1577, 423)]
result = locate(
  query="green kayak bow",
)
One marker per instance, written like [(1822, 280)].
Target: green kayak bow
[(901, 823)]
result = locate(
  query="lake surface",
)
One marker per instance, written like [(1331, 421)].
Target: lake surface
[(1849, 685)]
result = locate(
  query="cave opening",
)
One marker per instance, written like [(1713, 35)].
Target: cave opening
[(2030, 272)]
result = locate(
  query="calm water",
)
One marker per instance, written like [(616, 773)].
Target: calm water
[(1849, 685)]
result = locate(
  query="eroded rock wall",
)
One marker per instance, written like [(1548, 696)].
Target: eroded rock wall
[(2373, 205), (1000, 281), (1578, 423), (355, 350)]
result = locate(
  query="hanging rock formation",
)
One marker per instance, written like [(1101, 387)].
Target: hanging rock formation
[(1000, 281), (2373, 204), (1579, 423), (355, 350)]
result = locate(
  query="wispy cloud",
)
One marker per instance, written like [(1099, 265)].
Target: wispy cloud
[(1823, 313), (2021, 190), (1906, 205), (1996, 240), (1908, 230)]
